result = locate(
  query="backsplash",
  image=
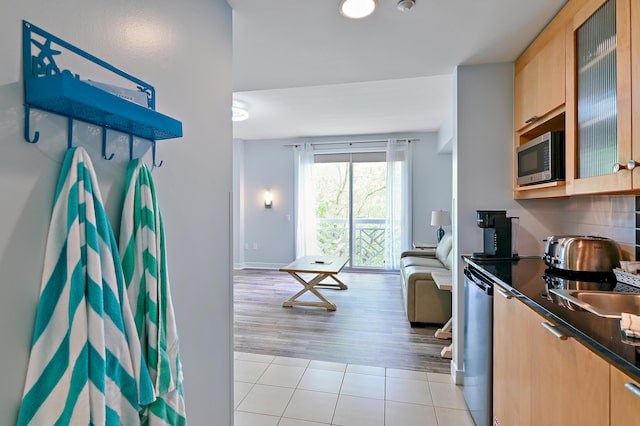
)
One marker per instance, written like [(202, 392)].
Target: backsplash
[(616, 217)]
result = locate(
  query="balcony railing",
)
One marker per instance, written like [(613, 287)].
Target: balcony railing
[(368, 240)]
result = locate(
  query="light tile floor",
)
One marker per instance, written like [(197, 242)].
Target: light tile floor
[(283, 391)]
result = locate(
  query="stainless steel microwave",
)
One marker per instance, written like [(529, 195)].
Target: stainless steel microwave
[(541, 159)]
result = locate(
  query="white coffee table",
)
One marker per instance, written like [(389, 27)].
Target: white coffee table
[(324, 267)]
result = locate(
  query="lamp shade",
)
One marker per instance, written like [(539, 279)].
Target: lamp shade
[(440, 218)]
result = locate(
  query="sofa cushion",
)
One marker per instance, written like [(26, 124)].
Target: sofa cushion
[(444, 247), (449, 263), (428, 262), (430, 252), (423, 301)]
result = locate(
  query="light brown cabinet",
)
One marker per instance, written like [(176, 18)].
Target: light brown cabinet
[(540, 94), (539, 81), (570, 383), (625, 399), (512, 359), (541, 376), (598, 111)]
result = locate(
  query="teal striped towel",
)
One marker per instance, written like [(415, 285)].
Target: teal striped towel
[(144, 261), (86, 365)]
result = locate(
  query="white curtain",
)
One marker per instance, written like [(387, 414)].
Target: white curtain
[(305, 202), (398, 199)]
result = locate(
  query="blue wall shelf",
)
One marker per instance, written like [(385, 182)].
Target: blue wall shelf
[(66, 95), (62, 92)]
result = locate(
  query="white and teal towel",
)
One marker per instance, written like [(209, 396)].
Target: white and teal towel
[(144, 261), (86, 364)]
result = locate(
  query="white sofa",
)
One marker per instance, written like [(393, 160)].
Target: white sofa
[(424, 302)]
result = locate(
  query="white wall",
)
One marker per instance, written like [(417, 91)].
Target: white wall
[(269, 236), (238, 202), (185, 52), (431, 186), (269, 164), (483, 158)]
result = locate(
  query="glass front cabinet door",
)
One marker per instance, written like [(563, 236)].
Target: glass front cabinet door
[(600, 151)]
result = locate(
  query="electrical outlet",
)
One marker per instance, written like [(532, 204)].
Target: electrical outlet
[(255, 246)]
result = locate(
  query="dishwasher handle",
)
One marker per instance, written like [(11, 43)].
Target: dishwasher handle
[(479, 281)]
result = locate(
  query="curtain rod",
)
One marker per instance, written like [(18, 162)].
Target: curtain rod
[(352, 142)]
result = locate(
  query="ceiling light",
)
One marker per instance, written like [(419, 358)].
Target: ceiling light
[(405, 5), (356, 9), (239, 111)]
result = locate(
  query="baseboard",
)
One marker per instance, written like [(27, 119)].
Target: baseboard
[(258, 265), (457, 375)]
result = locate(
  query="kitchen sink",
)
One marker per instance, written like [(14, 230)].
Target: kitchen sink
[(605, 304)]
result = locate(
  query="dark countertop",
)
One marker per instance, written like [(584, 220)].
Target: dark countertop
[(524, 278)]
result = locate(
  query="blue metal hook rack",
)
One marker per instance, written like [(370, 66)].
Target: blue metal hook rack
[(62, 92)]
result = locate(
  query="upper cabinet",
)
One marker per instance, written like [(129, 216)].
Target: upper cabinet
[(599, 148), (539, 81), (598, 107)]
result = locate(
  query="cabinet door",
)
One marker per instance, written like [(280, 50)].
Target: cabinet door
[(625, 399), (570, 383), (512, 351), (635, 77), (525, 96), (539, 84), (552, 74), (598, 126)]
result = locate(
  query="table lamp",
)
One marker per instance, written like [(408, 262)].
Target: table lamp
[(440, 218)]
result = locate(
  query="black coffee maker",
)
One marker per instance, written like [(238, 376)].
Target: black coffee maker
[(497, 235)]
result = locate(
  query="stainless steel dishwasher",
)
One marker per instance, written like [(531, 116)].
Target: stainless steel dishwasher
[(478, 346)]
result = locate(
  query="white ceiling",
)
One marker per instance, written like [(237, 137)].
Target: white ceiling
[(305, 70)]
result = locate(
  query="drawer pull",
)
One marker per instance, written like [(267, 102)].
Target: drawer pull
[(618, 167), (553, 330), (631, 164), (633, 388), (531, 120), (504, 293)]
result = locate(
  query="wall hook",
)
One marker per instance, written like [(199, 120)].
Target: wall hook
[(104, 145), (70, 132), (27, 122), (153, 155)]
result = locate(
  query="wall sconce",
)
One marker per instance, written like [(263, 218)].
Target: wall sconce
[(268, 200)]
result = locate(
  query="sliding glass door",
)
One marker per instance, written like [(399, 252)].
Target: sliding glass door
[(354, 202), (351, 208)]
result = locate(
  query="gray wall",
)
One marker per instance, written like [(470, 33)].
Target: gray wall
[(269, 234), (483, 158), (185, 52), (482, 179)]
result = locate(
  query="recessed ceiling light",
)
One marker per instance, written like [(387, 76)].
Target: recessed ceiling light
[(356, 9), (239, 111), (405, 5)]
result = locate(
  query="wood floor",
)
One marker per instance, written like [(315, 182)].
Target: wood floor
[(369, 326)]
